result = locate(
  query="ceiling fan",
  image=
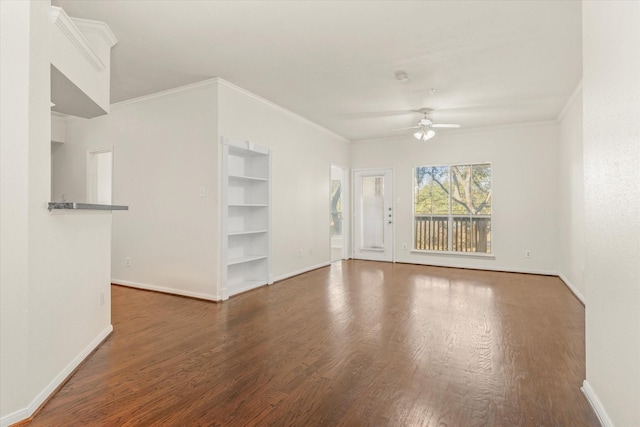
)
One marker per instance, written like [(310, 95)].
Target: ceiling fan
[(426, 126)]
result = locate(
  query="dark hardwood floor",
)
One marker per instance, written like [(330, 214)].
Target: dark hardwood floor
[(355, 344)]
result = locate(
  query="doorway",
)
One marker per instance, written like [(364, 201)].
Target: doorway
[(336, 213), (100, 176), (373, 211)]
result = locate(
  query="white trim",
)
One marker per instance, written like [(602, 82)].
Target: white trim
[(75, 36), (577, 91), (301, 271), (479, 267), (595, 403), (421, 252), (575, 291), (280, 109), (168, 92), (166, 290), (97, 27), (221, 82), (27, 412)]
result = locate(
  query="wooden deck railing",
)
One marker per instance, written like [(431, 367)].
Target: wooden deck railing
[(469, 234)]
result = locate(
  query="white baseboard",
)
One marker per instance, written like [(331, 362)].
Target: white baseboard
[(27, 412), (165, 290), (575, 291), (301, 271), (476, 267), (595, 403)]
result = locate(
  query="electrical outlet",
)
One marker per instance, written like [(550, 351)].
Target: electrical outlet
[(299, 253), (101, 297), (527, 254), (404, 246), (202, 192), (127, 262)]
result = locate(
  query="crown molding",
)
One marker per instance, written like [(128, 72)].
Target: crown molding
[(576, 92), (97, 27), (281, 109), (75, 36), (217, 81), (168, 92)]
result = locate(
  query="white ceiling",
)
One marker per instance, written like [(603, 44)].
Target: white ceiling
[(333, 62)]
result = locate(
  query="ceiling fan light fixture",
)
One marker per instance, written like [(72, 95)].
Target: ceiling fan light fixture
[(402, 76), (424, 134)]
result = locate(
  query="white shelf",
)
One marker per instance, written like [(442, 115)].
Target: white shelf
[(248, 258), (246, 221), (248, 178), (246, 232)]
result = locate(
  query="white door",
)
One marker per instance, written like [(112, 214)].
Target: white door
[(373, 211)]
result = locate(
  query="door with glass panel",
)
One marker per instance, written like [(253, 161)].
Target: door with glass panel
[(374, 216)]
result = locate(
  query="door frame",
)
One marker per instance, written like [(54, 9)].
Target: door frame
[(345, 210), (91, 179), (354, 220)]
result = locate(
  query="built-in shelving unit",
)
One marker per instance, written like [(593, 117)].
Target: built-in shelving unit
[(246, 221)]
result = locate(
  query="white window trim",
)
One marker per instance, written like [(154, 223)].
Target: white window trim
[(450, 217)]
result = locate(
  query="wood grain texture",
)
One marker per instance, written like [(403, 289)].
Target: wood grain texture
[(356, 344)]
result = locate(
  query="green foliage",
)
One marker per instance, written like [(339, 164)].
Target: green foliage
[(459, 191), (463, 189), (432, 192)]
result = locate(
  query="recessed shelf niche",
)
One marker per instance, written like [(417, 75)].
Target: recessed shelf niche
[(246, 223)]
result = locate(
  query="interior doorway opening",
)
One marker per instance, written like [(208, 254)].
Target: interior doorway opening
[(336, 213), (100, 176)]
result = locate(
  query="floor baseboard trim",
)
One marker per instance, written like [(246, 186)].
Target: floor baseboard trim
[(595, 403), (301, 271), (491, 268), (573, 289), (165, 290), (24, 415)]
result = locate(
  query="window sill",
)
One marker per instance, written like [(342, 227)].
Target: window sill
[(454, 254)]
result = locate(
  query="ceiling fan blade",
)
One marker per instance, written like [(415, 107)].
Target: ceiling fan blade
[(445, 125), (411, 127)]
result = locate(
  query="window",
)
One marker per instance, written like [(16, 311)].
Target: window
[(452, 208)]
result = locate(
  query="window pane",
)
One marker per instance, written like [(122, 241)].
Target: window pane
[(432, 190), (481, 189), (461, 196), (467, 190), (372, 212)]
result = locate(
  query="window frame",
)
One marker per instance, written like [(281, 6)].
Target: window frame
[(450, 216)]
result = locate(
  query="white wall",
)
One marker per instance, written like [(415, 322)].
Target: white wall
[(524, 190), (166, 147), (301, 175), (164, 150), (53, 267), (14, 206), (571, 198), (611, 98)]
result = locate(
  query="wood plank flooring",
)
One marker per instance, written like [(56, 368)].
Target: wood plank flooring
[(355, 344)]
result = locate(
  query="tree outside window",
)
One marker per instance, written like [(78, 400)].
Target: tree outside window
[(452, 208)]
